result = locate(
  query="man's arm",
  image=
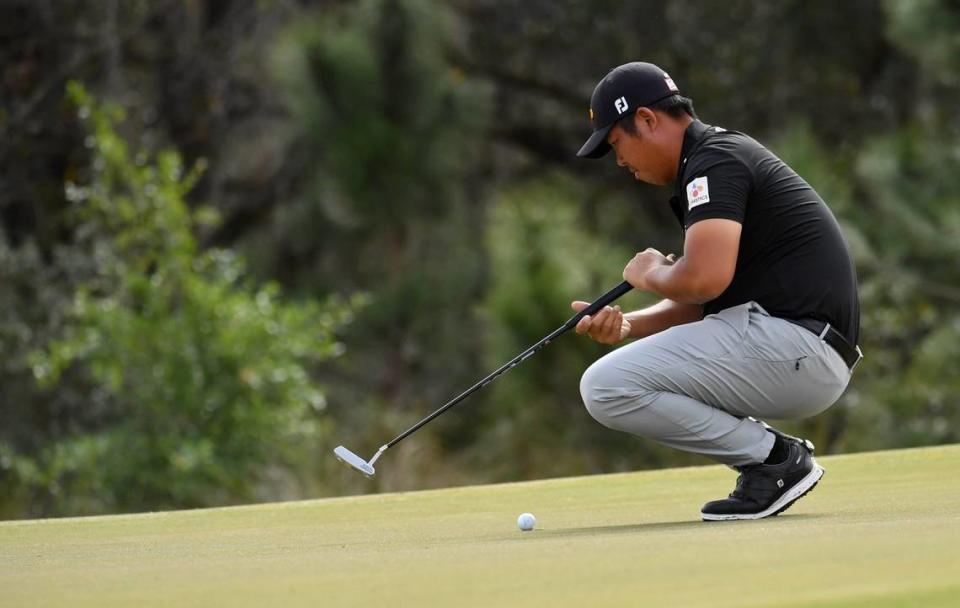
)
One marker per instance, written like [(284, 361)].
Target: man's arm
[(610, 326), (662, 315), (706, 269)]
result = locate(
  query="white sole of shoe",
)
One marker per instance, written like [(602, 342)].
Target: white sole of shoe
[(789, 497)]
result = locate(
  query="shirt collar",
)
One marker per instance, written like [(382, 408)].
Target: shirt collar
[(694, 133)]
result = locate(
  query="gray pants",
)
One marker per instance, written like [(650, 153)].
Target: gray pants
[(692, 386)]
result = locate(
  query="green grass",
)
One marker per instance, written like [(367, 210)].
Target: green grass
[(881, 529)]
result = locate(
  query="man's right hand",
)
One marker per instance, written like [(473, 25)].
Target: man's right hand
[(608, 326)]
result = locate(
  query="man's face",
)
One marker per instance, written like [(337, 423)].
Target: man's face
[(640, 153)]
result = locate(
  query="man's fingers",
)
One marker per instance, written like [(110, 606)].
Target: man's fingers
[(603, 326), (599, 329), (596, 323), (611, 326), (600, 318)]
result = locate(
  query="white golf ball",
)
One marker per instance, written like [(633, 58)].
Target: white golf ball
[(526, 521)]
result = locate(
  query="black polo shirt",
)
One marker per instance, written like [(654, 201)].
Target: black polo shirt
[(793, 259)]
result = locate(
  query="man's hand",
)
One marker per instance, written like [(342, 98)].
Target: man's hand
[(608, 326), (636, 270)]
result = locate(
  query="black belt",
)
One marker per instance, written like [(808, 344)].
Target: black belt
[(850, 354)]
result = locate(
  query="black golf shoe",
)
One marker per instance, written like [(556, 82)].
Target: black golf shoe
[(769, 489)]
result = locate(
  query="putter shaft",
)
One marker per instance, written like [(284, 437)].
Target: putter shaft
[(598, 304)]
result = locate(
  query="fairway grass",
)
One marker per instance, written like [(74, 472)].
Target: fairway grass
[(881, 529)]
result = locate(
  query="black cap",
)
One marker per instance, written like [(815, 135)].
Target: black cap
[(622, 90)]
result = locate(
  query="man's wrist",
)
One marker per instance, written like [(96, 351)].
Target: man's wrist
[(638, 328), (659, 280)]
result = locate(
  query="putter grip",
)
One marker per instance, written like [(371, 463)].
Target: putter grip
[(599, 303)]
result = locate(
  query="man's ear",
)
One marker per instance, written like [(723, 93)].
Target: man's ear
[(646, 119)]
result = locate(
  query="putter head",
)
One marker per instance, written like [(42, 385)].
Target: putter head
[(349, 458)]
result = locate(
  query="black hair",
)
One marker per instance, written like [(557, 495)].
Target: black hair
[(674, 106)]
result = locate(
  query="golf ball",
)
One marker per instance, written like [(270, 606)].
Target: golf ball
[(526, 521)]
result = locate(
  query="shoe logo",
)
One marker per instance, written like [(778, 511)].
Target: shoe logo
[(779, 483), (798, 459)]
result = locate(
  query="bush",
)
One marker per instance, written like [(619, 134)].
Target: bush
[(210, 373)]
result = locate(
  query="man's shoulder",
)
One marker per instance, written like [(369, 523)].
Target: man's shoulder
[(721, 141), (722, 145)]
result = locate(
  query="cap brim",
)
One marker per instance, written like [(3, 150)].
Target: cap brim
[(596, 146)]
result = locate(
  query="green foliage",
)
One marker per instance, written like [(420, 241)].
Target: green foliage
[(372, 80), (211, 373), (391, 131), (387, 117), (35, 303), (928, 30), (910, 291)]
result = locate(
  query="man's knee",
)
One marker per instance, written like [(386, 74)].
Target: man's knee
[(607, 391)]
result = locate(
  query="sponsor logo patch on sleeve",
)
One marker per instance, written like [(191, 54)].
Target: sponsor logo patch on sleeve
[(698, 192)]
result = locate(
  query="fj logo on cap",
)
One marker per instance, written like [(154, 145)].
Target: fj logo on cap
[(620, 105), (698, 192)]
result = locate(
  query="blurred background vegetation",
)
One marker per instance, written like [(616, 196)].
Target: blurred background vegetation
[(235, 233)]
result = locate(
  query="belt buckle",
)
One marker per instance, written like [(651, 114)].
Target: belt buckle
[(859, 358), (823, 335)]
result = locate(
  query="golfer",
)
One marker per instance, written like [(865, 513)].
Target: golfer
[(759, 316)]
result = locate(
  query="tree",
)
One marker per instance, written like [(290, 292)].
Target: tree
[(395, 205), (208, 375)]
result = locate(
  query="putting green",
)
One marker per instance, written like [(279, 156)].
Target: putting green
[(881, 529)]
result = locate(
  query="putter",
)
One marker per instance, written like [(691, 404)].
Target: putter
[(366, 467)]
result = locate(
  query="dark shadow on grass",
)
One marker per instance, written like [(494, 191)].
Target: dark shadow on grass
[(668, 526), (623, 528)]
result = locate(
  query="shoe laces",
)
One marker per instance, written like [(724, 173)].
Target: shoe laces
[(749, 479)]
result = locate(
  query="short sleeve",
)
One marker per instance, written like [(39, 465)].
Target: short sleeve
[(718, 186)]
